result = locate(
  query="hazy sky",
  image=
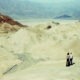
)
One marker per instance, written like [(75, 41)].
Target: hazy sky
[(53, 1), (35, 8)]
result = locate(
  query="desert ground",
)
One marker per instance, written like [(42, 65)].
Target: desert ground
[(38, 52)]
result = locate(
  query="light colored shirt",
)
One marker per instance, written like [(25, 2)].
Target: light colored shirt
[(68, 56), (71, 56)]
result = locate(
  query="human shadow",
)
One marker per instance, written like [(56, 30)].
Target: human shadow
[(70, 64)]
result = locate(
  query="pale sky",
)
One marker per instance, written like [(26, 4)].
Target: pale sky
[(52, 1), (36, 7)]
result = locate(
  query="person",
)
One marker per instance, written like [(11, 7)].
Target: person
[(71, 59), (68, 60)]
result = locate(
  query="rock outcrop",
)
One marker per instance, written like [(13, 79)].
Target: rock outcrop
[(9, 20), (7, 24)]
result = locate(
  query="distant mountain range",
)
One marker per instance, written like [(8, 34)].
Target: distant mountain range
[(24, 9), (64, 17)]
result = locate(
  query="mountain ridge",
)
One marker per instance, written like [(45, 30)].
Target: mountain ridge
[(9, 20), (7, 24), (64, 17)]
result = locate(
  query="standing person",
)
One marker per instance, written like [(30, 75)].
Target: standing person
[(68, 60), (71, 59)]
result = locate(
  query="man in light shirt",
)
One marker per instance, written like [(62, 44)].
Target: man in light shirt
[(71, 59)]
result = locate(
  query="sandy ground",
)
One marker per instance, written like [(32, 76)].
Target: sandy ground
[(48, 70), (39, 53)]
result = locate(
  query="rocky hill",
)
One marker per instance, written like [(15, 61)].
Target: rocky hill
[(7, 24)]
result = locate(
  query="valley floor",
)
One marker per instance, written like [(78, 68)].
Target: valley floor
[(40, 52), (48, 70)]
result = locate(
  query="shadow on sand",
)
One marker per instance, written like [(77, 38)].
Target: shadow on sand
[(70, 65)]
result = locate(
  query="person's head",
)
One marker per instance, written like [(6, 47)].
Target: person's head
[(68, 53)]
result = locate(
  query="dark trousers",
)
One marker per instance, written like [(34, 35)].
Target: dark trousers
[(71, 61), (68, 62)]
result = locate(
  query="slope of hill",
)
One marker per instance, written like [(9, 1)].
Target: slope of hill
[(7, 24), (7, 19), (45, 46)]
